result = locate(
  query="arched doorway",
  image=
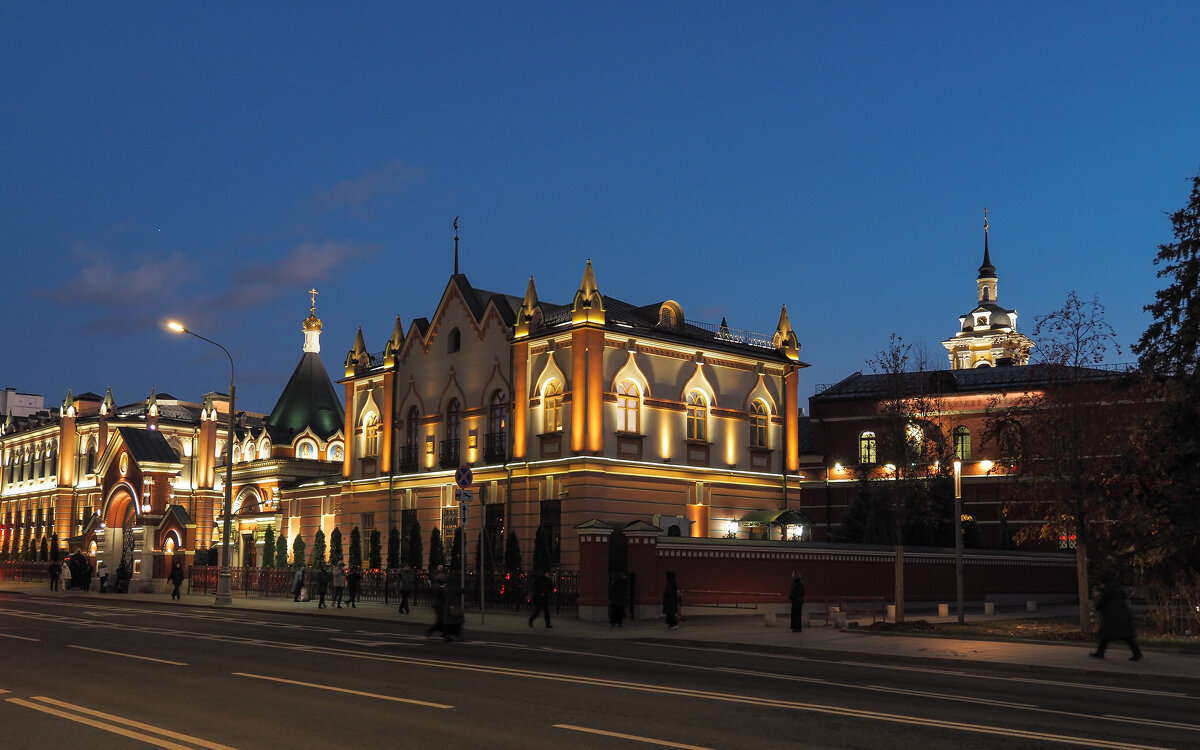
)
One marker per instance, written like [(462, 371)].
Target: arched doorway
[(122, 527)]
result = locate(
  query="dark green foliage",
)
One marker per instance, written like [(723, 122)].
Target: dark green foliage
[(972, 538), (541, 552), (298, 551), (456, 549), (44, 550), (319, 550), (356, 552), (269, 547), (512, 553), (868, 519), (335, 546), (55, 552), (281, 552), (393, 555), (1171, 344), (435, 549), (414, 550), (374, 550)]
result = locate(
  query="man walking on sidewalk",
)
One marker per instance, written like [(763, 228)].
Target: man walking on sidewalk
[(408, 581), (541, 598)]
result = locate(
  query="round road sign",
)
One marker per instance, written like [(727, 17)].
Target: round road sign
[(463, 476)]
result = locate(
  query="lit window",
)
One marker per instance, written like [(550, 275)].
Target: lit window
[(371, 435), (629, 405), (1010, 442), (697, 416), (962, 443), (498, 413), (867, 448), (758, 425), (914, 440), (552, 407)]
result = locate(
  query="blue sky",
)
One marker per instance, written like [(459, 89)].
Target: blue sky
[(212, 162)]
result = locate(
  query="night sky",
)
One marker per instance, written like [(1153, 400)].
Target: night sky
[(211, 162)]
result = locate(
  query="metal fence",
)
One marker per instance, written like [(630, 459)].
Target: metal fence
[(504, 591), (24, 570)]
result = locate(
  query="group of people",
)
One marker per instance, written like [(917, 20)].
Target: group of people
[(343, 582)]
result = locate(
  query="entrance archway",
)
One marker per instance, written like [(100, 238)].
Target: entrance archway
[(120, 520)]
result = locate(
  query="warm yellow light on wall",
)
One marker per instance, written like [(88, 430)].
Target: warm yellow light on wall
[(472, 441), (838, 468), (985, 466), (664, 439)]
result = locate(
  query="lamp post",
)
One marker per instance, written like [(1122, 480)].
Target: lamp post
[(958, 544), (224, 577)]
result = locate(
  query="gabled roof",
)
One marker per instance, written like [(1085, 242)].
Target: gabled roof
[(148, 446), (308, 401)]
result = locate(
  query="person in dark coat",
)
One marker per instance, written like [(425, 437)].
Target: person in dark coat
[(671, 601), (541, 597), (297, 583), (176, 578), (438, 585), (453, 617), (618, 594), (1116, 619), (55, 570), (320, 584), (408, 582), (353, 579), (796, 597)]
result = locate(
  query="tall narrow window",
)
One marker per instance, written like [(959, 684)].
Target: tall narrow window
[(412, 427), (867, 448), (453, 341), (629, 404), (552, 407), (497, 413), (453, 419), (697, 416), (496, 442), (371, 435), (962, 443), (758, 425)]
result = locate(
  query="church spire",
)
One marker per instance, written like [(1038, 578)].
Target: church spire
[(525, 314), (455, 245), (785, 338), (987, 270)]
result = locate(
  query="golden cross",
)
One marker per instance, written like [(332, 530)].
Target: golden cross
[(314, 293)]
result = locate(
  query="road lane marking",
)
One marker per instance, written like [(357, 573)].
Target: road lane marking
[(371, 644), (20, 637), (128, 656), (342, 690), (641, 687), (951, 697), (111, 724), (633, 737), (1153, 722)]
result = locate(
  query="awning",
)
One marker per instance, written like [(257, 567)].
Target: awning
[(775, 518)]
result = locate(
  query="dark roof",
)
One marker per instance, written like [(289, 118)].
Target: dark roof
[(979, 379), (148, 446), (308, 400)]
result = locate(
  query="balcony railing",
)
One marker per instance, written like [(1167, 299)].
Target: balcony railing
[(495, 447), (449, 455)]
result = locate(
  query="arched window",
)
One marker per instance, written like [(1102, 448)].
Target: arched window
[(371, 434), (758, 425), (497, 413), (629, 405), (1010, 442), (914, 441), (412, 427), (453, 341), (962, 443), (552, 407), (697, 416), (91, 457), (867, 448), (666, 317), (453, 419)]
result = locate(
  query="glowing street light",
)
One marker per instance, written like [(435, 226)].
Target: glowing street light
[(224, 577), (958, 541)]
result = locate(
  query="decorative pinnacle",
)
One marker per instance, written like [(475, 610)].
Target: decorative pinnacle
[(313, 309)]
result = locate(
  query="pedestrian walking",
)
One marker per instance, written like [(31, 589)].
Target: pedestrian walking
[(438, 584), (320, 584), (55, 571), (298, 584), (176, 578), (339, 583), (671, 601), (796, 597), (353, 579), (453, 617), (408, 581), (618, 594), (1116, 618), (102, 576), (541, 597)]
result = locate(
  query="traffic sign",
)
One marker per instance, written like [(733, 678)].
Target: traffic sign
[(463, 476), (464, 506)]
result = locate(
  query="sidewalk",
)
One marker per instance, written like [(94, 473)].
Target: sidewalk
[(734, 632)]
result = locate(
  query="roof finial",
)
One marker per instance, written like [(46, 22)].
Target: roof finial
[(455, 245), (985, 224), (313, 308)]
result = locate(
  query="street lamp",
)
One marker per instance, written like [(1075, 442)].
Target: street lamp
[(224, 577), (958, 542)]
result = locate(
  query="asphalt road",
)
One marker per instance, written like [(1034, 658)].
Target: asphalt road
[(117, 674)]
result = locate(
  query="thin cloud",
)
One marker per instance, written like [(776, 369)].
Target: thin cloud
[(305, 264), (359, 193)]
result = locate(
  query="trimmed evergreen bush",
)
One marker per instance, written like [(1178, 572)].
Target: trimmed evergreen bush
[(355, 548), (335, 546), (414, 551), (298, 551), (435, 549), (393, 556), (268, 557), (374, 550), (318, 555), (281, 552)]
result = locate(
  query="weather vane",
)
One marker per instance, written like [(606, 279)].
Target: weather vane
[(985, 224)]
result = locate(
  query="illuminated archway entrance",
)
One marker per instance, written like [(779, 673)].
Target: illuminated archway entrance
[(121, 530)]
